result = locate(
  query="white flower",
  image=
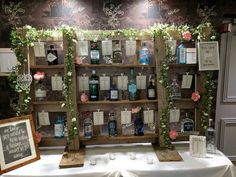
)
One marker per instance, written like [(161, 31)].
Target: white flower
[(69, 73), (28, 27), (75, 128), (73, 119), (75, 41), (31, 44), (63, 104)]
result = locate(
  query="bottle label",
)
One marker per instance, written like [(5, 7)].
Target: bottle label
[(59, 130), (151, 93), (88, 130), (94, 54), (182, 55), (144, 57), (93, 82), (132, 88), (114, 94), (51, 57), (188, 126), (40, 93)]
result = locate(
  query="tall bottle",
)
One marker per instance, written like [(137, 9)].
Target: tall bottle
[(88, 128), (94, 87), (59, 127), (40, 91), (94, 52), (114, 92), (181, 51), (176, 90), (187, 124), (144, 55), (211, 138), (132, 86), (151, 90), (112, 124), (117, 54), (52, 56)]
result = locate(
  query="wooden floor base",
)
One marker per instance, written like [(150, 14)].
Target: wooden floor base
[(73, 159)]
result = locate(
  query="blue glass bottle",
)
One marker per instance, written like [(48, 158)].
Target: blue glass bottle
[(181, 53), (138, 124), (59, 127), (144, 55)]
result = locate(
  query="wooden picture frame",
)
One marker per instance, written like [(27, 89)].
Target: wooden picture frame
[(208, 56), (18, 145)]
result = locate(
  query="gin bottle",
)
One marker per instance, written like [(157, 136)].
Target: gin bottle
[(94, 87), (52, 56), (94, 52), (114, 92), (40, 91), (151, 90), (112, 124), (211, 138), (59, 127), (175, 89), (187, 124), (117, 54), (181, 53), (88, 128), (144, 55), (132, 86)]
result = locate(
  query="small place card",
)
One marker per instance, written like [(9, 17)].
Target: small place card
[(187, 81), (130, 49), (83, 83), (148, 116), (141, 82), (98, 118), (106, 47), (57, 83), (125, 117), (39, 49), (82, 48), (122, 82), (197, 146), (174, 115), (104, 82), (191, 57), (43, 118)]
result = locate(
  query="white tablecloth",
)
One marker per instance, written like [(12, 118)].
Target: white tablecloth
[(212, 166)]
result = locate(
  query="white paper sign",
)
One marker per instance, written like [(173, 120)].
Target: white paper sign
[(130, 49), (174, 115), (43, 118), (39, 49), (125, 117), (106, 47), (141, 82), (122, 82), (57, 83), (197, 146), (187, 81), (82, 48), (104, 82), (83, 83), (191, 57), (98, 118), (148, 116)]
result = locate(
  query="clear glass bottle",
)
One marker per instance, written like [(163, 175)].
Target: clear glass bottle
[(151, 90), (94, 52), (40, 91), (181, 51), (94, 87), (211, 138), (88, 128), (144, 55), (132, 86), (59, 127), (52, 56), (114, 92), (112, 124), (117, 54), (176, 90), (187, 124)]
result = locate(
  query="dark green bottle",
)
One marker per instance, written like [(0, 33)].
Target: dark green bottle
[(94, 52), (132, 86), (94, 87)]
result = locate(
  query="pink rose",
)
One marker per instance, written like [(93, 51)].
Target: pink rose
[(84, 97), (37, 137), (39, 76), (195, 96), (173, 134), (187, 36)]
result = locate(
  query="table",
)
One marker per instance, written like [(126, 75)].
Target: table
[(216, 165)]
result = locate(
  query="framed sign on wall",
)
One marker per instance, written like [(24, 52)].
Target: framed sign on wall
[(18, 145), (208, 56)]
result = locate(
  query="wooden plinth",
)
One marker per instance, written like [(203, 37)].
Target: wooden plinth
[(73, 159)]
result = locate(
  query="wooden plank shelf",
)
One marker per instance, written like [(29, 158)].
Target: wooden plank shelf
[(49, 106), (52, 141), (184, 136), (117, 66), (183, 65), (118, 102), (47, 102), (61, 66), (119, 139)]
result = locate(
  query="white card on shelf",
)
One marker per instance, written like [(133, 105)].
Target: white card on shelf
[(83, 83), (104, 82), (122, 82), (82, 48), (141, 82), (191, 56), (174, 115), (187, 81), (197, 146), (43, 118), (57, 83), (130, 48), (148, 116), (98, 118), (39, 49), (125, 117), (107, 47)]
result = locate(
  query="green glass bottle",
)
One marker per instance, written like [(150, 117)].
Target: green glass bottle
[(94, 52), (132, 86), (94, 87)]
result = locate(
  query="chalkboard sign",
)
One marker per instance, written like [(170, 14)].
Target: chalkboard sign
[(17, 143)]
